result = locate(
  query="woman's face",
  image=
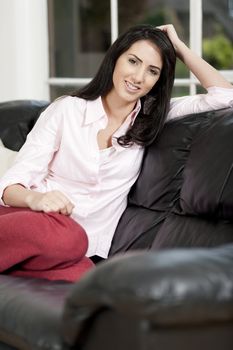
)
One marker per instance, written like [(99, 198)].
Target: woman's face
[(136, 71)]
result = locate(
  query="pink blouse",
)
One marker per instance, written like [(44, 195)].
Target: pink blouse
[(62, 153)]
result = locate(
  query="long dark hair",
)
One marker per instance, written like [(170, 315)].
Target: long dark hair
[(155, 104)]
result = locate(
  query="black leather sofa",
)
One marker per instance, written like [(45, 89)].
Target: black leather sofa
[(168, 283)]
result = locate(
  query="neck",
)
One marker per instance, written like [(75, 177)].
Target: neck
[(116, 109)]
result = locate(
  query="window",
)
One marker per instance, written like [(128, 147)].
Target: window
[(218, 33), (80, 32)]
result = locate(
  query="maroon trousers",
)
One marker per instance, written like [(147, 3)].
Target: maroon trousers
[(42, 245)]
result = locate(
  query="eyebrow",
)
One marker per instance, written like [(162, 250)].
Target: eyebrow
[(131, 54)]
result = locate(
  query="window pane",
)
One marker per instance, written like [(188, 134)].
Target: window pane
[(180, 91), (157, 12), (56, 91), (79, 36), (218, 33)]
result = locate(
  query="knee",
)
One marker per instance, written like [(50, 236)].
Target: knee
[(76, 241), (69, 238)]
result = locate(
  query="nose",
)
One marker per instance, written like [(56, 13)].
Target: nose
[(139, 75)]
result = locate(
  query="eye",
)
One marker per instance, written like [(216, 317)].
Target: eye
[(132, 60), (154, 72)]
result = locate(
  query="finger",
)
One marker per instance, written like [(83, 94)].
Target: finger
[(70, 207), (63, 200), (64, 211), (67, 210), (58, 206), (52, 205), (60, 195), (56, 201), (162, 27), (67, 204), (46, 208)]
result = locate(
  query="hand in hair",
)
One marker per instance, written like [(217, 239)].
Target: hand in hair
[(172, 34), (206, 74)]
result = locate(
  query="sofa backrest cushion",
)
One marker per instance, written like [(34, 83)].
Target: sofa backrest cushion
[(207, 187), (161, 177), (187, 180)]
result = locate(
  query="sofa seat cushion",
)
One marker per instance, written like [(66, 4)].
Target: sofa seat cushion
[(139, 226), (192, 231), (30, 312)]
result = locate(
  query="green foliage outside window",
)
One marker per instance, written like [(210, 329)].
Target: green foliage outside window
[(218, 51)]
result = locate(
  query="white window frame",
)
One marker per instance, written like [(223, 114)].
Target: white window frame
[(195, 28), (24, 68)]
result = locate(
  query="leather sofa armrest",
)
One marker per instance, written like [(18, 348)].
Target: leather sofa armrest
[(168, 288), (17, 118)]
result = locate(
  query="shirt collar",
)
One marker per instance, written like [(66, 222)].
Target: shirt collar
[(94, 111), (127, 123), (135, 112)]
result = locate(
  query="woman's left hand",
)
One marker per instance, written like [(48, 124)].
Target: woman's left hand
[(169, 29), (204, 72)]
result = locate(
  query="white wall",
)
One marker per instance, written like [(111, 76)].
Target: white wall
[(24, 62)]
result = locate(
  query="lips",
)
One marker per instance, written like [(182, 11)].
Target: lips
[(131, 87)]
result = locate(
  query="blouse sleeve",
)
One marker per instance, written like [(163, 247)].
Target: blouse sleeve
[(215, 98), (31, 163)]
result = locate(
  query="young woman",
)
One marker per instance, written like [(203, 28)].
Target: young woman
[(63, 197)]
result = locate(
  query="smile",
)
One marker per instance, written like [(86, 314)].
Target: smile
[(131, 87)]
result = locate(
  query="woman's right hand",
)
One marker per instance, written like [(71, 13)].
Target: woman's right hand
[(53, 201)]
